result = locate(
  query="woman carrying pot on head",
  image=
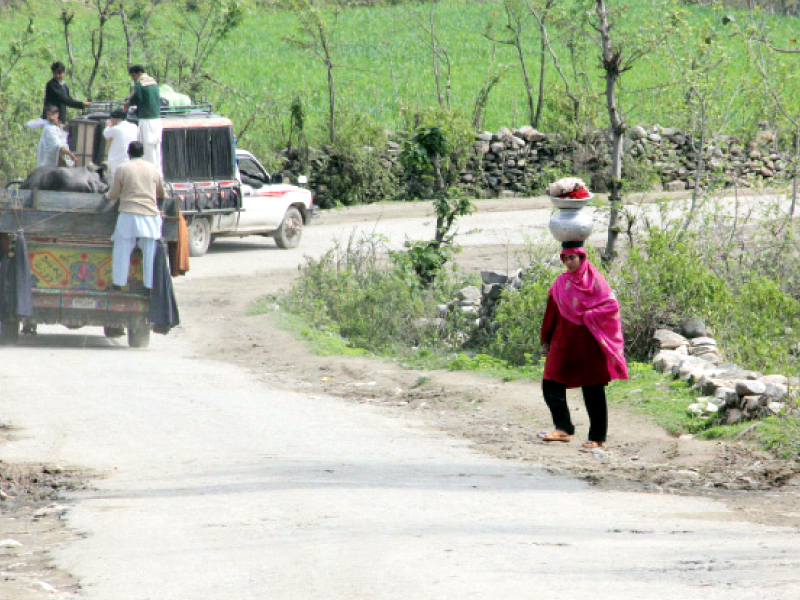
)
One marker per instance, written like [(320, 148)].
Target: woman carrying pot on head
[(582, 340)]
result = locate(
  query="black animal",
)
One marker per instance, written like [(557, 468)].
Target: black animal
[(65, 179)]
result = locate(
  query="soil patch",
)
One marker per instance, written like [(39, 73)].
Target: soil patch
[(31, 524)]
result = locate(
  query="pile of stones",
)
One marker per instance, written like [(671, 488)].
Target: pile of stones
[(481, 303), (730, 393)]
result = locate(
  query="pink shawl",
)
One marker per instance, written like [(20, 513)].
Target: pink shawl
[(585, 298)]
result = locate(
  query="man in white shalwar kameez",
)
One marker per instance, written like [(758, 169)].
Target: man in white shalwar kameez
[(120, 132), (138, 186)]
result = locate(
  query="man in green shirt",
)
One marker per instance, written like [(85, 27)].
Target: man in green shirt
[(147, 100)]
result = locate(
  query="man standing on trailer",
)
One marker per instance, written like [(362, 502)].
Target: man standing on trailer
[(147, 100), (120, 132), (56, 93), (138, 186)]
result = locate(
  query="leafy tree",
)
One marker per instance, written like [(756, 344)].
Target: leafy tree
[(429, 150)]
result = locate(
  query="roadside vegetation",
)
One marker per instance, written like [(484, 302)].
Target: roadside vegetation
[(741, 277)]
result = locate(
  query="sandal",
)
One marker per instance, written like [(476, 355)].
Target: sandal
[(556, 436), (590, 445)]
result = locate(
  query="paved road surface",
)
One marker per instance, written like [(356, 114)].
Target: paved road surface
[(218, 487)]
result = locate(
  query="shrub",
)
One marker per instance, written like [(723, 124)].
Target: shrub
[(376, 303), (519, 317)]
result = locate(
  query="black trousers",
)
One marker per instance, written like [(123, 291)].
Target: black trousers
[(594, 396)]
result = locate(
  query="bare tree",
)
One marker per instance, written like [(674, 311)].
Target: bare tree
[(105, 10), (516, 21), (135, 17), (493, 77), (616, 58), (208, 23), (541, 15), (707, 104), (440, 59), (316, 36), (775, 92)]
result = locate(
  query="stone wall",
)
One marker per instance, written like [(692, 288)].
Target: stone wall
[(522, 161)]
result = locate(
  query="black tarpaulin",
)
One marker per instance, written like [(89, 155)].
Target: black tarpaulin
[(163, 305)]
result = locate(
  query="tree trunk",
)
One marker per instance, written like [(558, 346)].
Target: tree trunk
[(331, 102), (700, 166), (612, 60), (527, 79), (542, 72), (435, 58), (794, 175)]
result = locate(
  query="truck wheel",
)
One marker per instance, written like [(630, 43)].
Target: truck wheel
[(291, 230), (113, 332), (9, 332), (199, 236), (138, 337)]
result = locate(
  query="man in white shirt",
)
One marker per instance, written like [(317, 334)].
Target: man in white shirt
[(53, 143), (120, 132)]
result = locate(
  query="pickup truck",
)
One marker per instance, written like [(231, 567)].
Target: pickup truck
[(222, 191)]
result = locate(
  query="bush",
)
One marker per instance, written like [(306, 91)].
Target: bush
[(376, 303), (519, 317), (666, 279)]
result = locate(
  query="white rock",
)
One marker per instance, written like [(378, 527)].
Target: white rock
[(682, 350), (46, 587), (776, 390), (750, 387), (669, 339), (695, 409), (775, 379), (703, 349), (711, 408), (9, 543), (703, 341), (776, 407), (727, 395), (665, 360), (711, 357)]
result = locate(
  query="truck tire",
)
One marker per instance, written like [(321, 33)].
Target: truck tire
[(291, 229), (138, 337), (199, 236), (9, 332)]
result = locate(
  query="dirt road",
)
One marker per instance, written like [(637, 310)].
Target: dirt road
[(230, 462)]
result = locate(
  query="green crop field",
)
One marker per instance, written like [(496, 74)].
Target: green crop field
[(384, 65)]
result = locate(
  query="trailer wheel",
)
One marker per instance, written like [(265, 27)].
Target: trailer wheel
[(9, 332), (138, 337), (291, 230), (199, 236), (113, 332)]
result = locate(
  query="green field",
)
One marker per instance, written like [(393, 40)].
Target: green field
[(384, 69)]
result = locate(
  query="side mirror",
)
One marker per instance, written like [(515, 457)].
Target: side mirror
[(302, 179)]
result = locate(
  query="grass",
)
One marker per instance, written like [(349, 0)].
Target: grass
[(384, 66), (321, 341)]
